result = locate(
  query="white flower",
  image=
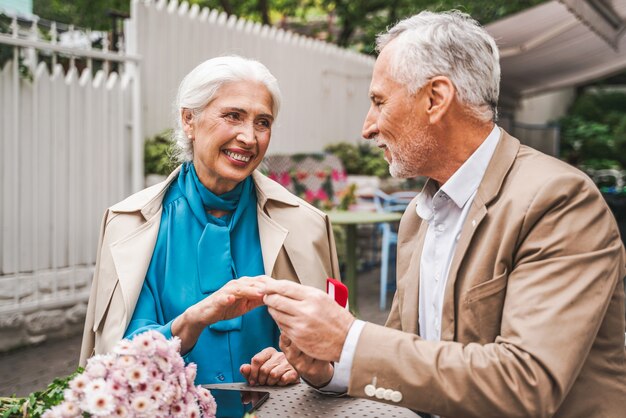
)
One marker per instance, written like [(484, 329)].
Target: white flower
[(125, 360), (141, 404), (79, 383), (97, 370), (69, 410), (192, 410), (54, 412), (136, 375), (99, 403), (96, 385), (144, 343), (120, 411)]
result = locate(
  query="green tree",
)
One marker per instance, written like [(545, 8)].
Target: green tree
[(83, 13)]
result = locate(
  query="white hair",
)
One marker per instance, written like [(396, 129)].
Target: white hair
[(450, 44), (199, 88)]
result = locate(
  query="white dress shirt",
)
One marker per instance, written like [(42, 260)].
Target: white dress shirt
[(445, 210)]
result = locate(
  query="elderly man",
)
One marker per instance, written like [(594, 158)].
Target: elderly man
[(510, 299)]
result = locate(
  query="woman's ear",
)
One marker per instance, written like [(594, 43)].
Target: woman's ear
[(441, 92), (186, 117)]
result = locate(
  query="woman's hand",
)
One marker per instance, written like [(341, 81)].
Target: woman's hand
[(269, 367), (234, 299)]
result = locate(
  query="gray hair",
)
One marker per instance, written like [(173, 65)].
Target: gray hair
[(451, 44), (199, 88)]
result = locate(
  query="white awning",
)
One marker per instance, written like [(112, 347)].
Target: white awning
[(560, 44)]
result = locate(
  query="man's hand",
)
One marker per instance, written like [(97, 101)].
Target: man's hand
[(310, 318), (269, 367), (317, 373)]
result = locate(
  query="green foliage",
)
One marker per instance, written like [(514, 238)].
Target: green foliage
[(35, 404), (360, 159), (593, 134), (83, 13), (158, 154)]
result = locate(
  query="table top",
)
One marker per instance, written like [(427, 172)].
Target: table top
[(347, 217), (301, 400)]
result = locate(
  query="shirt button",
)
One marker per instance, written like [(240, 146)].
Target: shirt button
[(441, 227), (220, 377)]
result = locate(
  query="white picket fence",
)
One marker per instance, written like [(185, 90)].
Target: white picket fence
[(65, 152), (324, 87), (71, 141)]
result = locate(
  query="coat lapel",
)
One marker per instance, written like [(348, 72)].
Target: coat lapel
[(132, 254), (274, 230), (499, 166)]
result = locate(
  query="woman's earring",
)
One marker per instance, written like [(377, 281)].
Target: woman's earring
[(190, 137)]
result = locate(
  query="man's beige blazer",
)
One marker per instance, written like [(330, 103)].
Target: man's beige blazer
[(296, 241), (533, 315)]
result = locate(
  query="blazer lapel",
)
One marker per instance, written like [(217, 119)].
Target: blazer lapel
[(411, 236), (498, 167)]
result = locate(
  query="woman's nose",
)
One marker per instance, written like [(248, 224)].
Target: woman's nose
[(246, 134)]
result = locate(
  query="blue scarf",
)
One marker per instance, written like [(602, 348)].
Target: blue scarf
[(223, 238)]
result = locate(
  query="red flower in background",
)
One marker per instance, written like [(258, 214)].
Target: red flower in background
[(339, 175)]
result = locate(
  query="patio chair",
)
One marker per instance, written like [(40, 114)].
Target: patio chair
[(394, 202)]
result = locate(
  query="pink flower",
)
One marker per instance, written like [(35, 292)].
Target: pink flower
[(285, 179), (321, 194), (141, 404), (145, 378), (99, 403), (338, 175), (144, 343), (309, 196), (136, 375)]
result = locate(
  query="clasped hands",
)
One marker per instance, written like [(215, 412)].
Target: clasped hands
[(313, 328)]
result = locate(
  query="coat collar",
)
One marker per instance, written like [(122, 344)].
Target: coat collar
[(148, 201)]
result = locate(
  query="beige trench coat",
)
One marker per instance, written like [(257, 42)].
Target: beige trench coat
[(296, 241)]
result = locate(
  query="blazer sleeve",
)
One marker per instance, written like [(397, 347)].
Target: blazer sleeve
[(568, 264)]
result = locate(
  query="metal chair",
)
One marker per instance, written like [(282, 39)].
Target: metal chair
[(394, 202)]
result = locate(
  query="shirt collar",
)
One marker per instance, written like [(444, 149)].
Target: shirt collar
[(464, 182)]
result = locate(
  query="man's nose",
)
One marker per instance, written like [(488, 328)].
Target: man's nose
[(370, 129)]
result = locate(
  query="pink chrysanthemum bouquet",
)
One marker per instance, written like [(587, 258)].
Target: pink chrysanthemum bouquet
[(142, 377)]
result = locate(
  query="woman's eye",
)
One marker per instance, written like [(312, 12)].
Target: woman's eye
[(264, 123), (233, 116)]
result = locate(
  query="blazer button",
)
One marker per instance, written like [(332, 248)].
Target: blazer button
[(396, 396), (370, 390), (387, 394), (380, 393)]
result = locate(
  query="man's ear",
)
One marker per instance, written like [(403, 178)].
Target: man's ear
[(441, 92)]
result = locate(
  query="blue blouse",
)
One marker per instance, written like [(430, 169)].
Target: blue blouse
[(195, 255)]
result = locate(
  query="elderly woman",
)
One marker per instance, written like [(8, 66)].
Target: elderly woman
[(181, 257)]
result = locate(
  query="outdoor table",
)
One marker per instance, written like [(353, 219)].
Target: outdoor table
[(350, 219), (300, 400)]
